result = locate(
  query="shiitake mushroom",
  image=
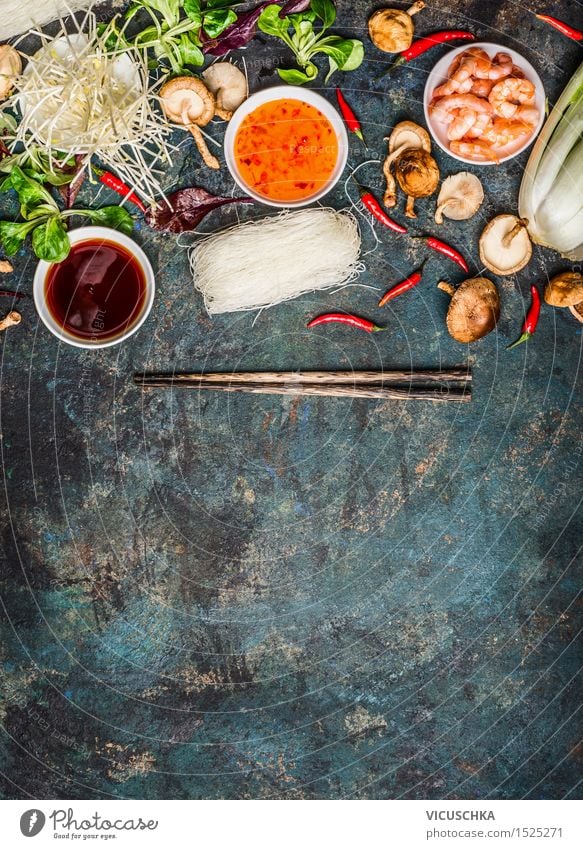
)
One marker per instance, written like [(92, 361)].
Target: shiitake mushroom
[(10, 69), (565, 289), (460, 197), (187, 101), (505, 245), (418, 175), (391, 30), (405, 135), (474, 308)]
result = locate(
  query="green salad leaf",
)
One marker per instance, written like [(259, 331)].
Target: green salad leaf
[(50, 240)]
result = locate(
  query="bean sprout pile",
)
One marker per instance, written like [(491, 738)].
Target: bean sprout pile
[(80, 96)]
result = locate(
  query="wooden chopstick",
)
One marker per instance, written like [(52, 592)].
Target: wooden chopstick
[(380, 377), (436, 393)]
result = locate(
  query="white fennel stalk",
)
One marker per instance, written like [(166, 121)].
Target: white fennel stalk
[(551, 191)]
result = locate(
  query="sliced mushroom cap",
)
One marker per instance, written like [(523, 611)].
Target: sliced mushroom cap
[(474, 308), (391, 30), (10, 68), (460, 197), (186, 101), (229, 86), (409, 134), (505, 245), (565, 289)]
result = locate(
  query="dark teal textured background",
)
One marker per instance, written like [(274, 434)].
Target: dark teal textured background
[(209, 596)]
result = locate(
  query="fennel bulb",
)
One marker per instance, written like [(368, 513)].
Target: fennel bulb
[(551, 194)]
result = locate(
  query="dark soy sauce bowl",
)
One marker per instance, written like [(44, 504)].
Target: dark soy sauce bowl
[(101, 294)]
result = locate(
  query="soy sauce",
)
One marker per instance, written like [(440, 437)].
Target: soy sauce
[(97, 292)]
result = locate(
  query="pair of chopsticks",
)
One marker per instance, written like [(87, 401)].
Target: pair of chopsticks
[(432, 385)]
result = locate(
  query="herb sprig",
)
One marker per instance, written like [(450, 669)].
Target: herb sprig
[(179, 27), (297, 31)]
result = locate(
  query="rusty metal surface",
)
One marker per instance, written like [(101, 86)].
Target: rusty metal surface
[(229, 596)]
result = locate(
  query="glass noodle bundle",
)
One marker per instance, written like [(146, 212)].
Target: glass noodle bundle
[(79, 95), (263, 262)]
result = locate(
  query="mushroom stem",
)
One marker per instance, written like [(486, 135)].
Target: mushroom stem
[(416, 7), (410, 207), (439, 211), (507, 239), (224, 114), (390, 197), (13, 318), (446, 287), (208, 159)]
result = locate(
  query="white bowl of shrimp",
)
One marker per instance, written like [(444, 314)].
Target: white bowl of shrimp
[(484, 104)]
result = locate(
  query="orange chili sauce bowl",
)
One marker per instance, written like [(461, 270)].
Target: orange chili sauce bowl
[(304, 134)]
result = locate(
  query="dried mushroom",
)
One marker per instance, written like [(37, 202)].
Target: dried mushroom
[(406, 135), (391, 30), (505, 245), (11, 320), (460, 197), (473, 310), (229, 86), (188, 102), (418, 176), (10, 68), (565, 289)]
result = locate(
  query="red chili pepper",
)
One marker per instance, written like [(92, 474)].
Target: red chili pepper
[(112, 182), (446, 250), (352, 121), (404, 286), (562, 27), (423, 44), (9, 293), (345, 318), (531, 320), (374, 207)]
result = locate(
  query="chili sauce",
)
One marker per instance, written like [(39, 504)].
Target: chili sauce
[(97, 292), (286, 150)]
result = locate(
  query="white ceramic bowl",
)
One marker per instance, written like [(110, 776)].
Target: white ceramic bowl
[(83, 234), (294, 93), (439, 75)]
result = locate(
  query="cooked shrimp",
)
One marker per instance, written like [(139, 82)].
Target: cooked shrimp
[(462, 123), (476, 63), (477, 150), (508, 94), (443, 108), (502, 59), (502, 132), (456, 63), (477, 130), (480, 60), (482, 88), (528, 115), (444, 90), (498, 72)]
